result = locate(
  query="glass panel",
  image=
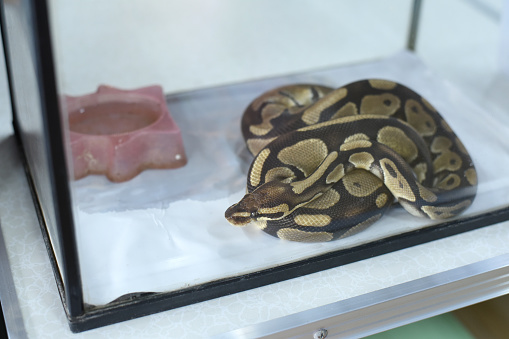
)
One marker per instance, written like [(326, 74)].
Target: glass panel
[(470, 51), (184, 228), (185, 45), (164, 229), (27, 101), (504, 38)]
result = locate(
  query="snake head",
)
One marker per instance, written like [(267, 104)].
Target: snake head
[(267, 202), (243, 212)]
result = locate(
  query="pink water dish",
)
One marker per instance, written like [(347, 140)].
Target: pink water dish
[(120, 133)]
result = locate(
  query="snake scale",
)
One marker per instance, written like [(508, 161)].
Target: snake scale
[(329, 162)]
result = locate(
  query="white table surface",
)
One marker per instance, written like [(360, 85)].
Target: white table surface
[(34, 293)]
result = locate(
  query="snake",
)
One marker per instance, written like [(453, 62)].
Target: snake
[(329, 162)]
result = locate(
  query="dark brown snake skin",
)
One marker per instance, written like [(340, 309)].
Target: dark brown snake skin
[(329, 162)]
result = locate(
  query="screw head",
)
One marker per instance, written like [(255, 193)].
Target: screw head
[(320, 334)]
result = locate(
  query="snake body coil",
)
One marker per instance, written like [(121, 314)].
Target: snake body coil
[(329, 162)]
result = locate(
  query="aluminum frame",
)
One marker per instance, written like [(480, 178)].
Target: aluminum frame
[(393, 306)]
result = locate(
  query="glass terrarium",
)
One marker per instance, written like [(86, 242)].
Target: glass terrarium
[(130, 127)]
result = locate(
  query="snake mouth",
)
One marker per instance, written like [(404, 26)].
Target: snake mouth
[(237, 218)]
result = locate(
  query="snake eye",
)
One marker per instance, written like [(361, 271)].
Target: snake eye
[(254, 215)]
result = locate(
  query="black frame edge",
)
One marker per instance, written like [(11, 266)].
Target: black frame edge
[(57, 162), (414, 25), (42, 222), (3, 327), (69, 286)]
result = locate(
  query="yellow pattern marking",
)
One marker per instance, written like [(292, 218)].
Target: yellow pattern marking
[(268, 113), (381, 200), (440, 144), (301, 236), (412, 209), (348, 109), (256, 145), (395, 181), (381, 104), (426, 194), (325, 201), (471, 176), (357, 136), (361, 160), (272, 97), (299, 186), (313, 113), (342, 121), (276, 209), (435, 212), (355, 144), (449, 161), (419, 118), (382, 84), (241, 214), (420, 171), (306, 155), (361, 184), (396, 139), (256, 170), (313, 220), (283, 174), (449, 182), (261, 224), (336, 174), (301, 94), (261, 129)]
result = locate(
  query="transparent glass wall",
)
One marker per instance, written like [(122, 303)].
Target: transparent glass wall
[(164, 229), (26, 91)]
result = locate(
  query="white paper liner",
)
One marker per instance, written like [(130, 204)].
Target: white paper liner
[(165, 229)]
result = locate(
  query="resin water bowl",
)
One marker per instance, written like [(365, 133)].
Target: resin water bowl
[(120, 133)]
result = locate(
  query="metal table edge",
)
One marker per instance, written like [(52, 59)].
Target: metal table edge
[(393, 306)]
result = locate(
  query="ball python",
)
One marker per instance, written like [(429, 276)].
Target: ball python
[(329, 162)]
